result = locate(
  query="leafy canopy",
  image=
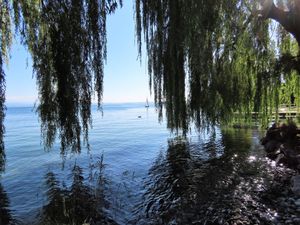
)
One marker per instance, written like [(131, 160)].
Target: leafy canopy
[(68, 45), (210, 60), (207, 60), (67, 41)]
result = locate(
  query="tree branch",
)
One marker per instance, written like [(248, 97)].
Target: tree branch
[(290, 20)]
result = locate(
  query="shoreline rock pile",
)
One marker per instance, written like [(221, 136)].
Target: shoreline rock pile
[(282, 144)]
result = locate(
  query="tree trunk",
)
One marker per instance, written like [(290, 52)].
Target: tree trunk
[(290, 19)]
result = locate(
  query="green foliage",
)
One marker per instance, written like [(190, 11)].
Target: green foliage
[(5, 42), (290, 82), (211, 61), (67, 41)]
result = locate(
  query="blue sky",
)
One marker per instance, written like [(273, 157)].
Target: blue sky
[(125, 79)]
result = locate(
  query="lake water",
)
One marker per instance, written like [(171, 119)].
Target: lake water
[(136, 170)]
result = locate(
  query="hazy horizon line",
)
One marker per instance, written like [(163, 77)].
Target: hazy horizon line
[(24, 104)]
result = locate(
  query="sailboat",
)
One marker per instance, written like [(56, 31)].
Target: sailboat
[(147, 103)]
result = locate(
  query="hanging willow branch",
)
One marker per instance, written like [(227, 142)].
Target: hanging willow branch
[(2, 115), (67, 41), (5, 42), (209, 61)]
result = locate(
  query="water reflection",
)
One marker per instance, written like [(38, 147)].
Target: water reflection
[(5, 214), (83, 202), (168, 187), (2, 160), (215, 180), (208, 183)]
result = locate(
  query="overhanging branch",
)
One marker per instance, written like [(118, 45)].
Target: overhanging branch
[(290, 19)]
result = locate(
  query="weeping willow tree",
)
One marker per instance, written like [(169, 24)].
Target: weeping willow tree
[(208, 60), (289, 94), (67, 42), (211, 61)]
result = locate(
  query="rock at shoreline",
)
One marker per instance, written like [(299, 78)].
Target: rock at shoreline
[(296, 186), (282, 144)]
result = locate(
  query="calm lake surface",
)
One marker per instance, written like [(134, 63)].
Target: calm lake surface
[(136, 170)]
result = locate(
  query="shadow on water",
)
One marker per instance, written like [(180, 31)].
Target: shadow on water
[(2, 160), (83, 202), (214, 182), (5, 214)]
